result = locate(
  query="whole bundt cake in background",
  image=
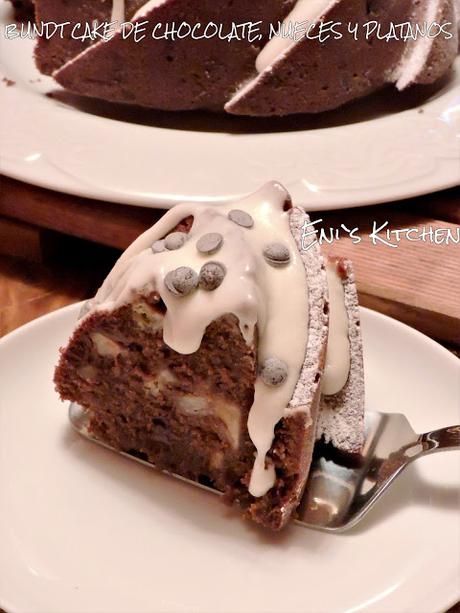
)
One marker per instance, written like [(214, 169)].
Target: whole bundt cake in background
[(265, 75)]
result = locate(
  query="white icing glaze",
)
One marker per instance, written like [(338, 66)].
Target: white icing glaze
[(118, 11), (337, 365), (274, 299), (416, 56), (304, 10), (146, 8)]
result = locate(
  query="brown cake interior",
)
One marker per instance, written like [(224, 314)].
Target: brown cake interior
[(185, 413)]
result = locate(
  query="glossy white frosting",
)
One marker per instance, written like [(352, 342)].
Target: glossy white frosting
[(337, 365), (415, 58), (146, 8), (118, 11), (273, 299), (303, 11)]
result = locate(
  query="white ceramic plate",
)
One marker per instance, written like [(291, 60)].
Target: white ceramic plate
[(385, 148), (83, 530)]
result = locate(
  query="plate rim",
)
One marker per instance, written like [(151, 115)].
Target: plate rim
[(159, 204), (439, 601), (338, 185)]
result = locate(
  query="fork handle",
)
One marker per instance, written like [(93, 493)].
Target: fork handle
[(440, 440)]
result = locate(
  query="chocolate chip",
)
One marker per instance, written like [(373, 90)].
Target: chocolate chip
[(277, 254), (181, 281), (175, 240), (274, 371), (210, 243), (241, 218), (159, 246), (211, 275)]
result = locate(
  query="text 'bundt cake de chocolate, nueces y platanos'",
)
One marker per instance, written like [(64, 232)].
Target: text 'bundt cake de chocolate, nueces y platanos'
[(308, 56), (221, 348)]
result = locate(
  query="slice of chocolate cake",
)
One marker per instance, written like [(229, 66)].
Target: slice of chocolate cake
[(204, 349), (225, 54)]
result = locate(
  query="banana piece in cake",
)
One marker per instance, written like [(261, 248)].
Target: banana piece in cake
[(256, 75)]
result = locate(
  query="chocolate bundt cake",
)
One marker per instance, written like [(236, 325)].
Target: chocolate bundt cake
[(268, 68), (203, 352), (341, 70), (164, 74)]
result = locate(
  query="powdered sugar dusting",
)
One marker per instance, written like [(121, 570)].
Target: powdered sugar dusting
[(312, 368), (341, 418)]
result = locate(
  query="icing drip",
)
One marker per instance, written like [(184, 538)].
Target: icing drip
[(146, 8), (416, 56), (303, 11), (118, 11), (273, 299), (337, 365)]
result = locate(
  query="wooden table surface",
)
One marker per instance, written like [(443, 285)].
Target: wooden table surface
[(56, 249), (416, 282)]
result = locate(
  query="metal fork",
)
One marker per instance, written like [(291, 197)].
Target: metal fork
[(338, 495)]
